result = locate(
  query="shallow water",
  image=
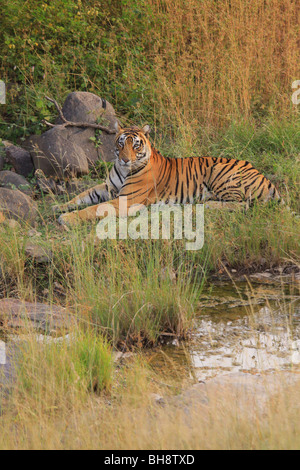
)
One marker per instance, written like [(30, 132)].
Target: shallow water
[(238, 329)]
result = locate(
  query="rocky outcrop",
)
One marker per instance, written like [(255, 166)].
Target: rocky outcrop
[(71, 151), (1, 162), (57, 155), (20, 159), (246, 392), (87, 107), (11, 180), (46, 318), (16, 205), (38, 253)]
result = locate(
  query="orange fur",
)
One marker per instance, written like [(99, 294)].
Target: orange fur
[(151, 178)]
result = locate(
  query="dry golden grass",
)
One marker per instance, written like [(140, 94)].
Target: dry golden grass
[(71, 395), (214, 61), (129, 418)]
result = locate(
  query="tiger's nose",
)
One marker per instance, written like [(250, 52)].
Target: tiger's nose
[(125, 160)]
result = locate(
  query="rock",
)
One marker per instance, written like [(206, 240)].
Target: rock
[(244, 392), (119, 356), (38, 253), (57, 155), (11, 180), (269, 278), (20, 159), (46, 318), (87, 107), (67, 339), (16, 205), (69, 151), (9, 355), (13, 224), (34, 233), (1, 162), (82, 138)]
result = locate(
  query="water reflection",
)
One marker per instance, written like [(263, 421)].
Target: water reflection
[(252, 330)]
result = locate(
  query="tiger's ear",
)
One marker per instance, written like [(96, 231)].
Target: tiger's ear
[(146, 130), (118, 128)]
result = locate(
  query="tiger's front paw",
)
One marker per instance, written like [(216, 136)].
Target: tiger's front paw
[(68, 219)]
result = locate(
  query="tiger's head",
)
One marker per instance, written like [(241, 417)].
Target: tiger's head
[(133, 148)]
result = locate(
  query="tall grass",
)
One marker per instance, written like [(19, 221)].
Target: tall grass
[(136, 291), (179, 64), (217, 60), (135, 296)]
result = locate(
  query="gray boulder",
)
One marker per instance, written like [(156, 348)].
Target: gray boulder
[(46, 318), (87, 107), (20, 159), (10, 180), (69, 151), (1, 161), (55, 153), (16, 205), (38, 253)]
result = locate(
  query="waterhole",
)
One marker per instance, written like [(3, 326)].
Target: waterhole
[(238, 328)]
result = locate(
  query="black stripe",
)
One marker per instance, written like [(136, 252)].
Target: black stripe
[(118, 175), (112, 182), (262, 181), (200, 167), (252, 182), (195, 169), (168, 179), (177, 176), (190, 168), (181, 196), (259, 196), (164, 172), (130, 194), (222, 173), (130, 183), (195, 188), (187, 181)]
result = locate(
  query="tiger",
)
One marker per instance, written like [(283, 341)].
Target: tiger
[(142, 176)]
